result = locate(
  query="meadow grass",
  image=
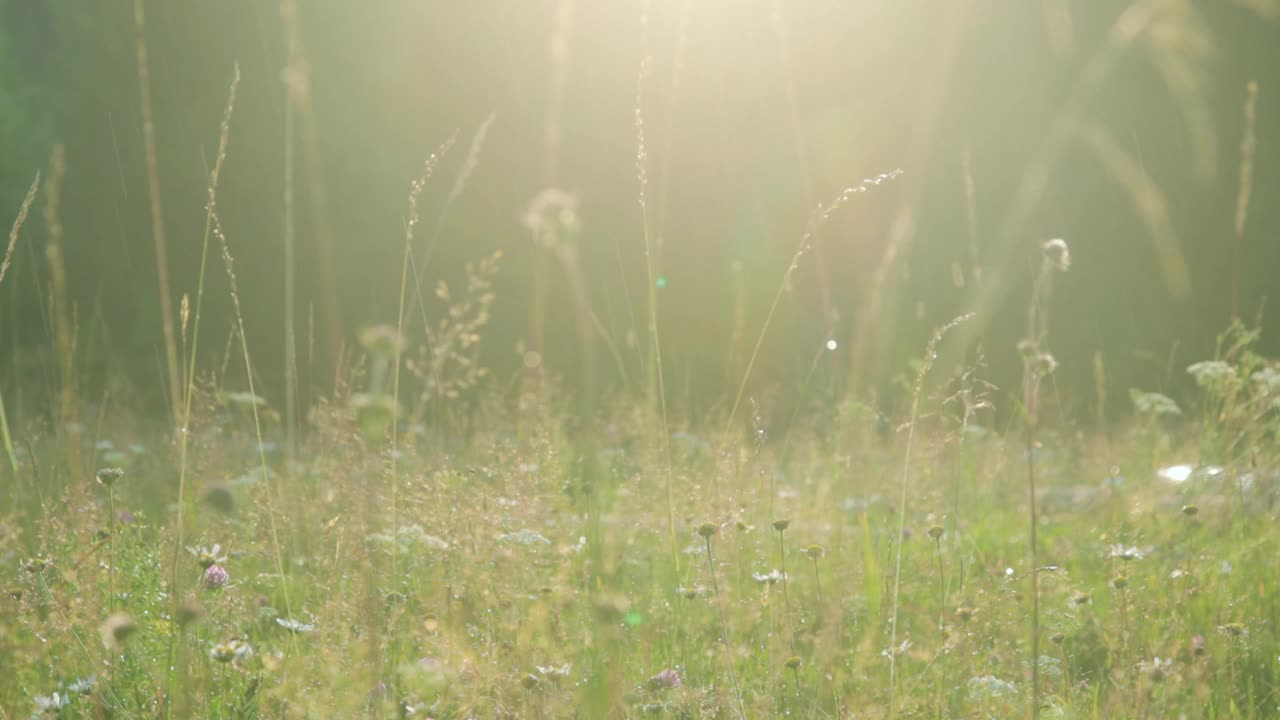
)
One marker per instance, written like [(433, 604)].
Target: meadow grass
[(516, 590), (422, 539)]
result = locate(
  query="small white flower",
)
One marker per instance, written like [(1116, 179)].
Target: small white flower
[(1212, 374), (553, 671), (51, 704), (295, 626), (83, 686), (231, 650), (1127, 552), (773, 577)]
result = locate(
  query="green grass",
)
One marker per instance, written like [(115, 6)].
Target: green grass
[(505, 600)]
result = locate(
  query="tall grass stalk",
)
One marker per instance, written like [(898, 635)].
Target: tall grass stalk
[(157, 212), (1244, 191), (4, 269), (184, 432), (415, 190), (62, 313), (290, 346), (657, 381), (816, 221), (229, 265), (707, 530), (419, 263), (1037, 363), (930, 354), (300, 95)]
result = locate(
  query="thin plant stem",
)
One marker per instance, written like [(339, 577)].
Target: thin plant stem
[(930, 352), (657, 380), (1037, 363), (23, 210), (724, 630), (816, 221), (782, 562), (157, 213), (817, 580), (111, 547), (290, 347), (229, 263), (224, 136)]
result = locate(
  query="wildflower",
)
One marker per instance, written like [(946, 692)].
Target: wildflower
[(1044, 364), (231, 650), (989, 686), (1120, 582), (1028, 349), (83, 686), (690, 593), (208, 556), (1127, 553), (1190, 510), (36, 565), (1157, 669), (815, 551), (1150, 403), (936, 531), (1057, 254), (1057, 638), (523, 537), (665, 680), (109, 476), (707, 529), (51, 704), (551, 209), (554, 672), (793, 662), (781, 525), (1198, 645), (117, 629), (773, 577), (295, 626), (965, 614), (1080, 599), (381, 340), (529, 681), (1212, 374), (902, 648), (1232, 629), (243, 399), (216, 576)]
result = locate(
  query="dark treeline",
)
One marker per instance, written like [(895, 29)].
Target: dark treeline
[(753, 114)]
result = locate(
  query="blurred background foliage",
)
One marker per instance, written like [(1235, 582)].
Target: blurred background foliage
[(1117, 127)]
